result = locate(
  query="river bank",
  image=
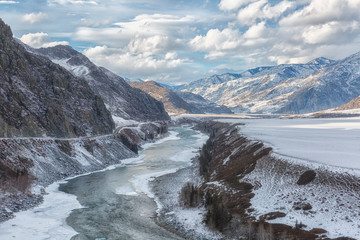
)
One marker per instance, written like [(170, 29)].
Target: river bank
[(238, 188), (112, 203), (30, 164)]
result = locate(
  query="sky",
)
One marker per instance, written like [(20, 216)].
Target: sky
[(175, 42)]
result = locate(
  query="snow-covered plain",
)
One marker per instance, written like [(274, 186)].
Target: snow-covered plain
[(331, 147), (334, 142)]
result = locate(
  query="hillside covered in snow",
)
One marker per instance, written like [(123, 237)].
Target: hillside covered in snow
[(289, 88)]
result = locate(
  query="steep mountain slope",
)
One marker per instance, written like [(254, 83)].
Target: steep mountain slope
[(209, 81), (202, 104), (336, 84), (177, 102), (288, 88), (38, 97), (121, 99), (172, 102), (353, 104), (264, 76)]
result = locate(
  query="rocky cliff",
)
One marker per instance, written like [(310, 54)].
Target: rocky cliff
[(40, 98), (121, 99)]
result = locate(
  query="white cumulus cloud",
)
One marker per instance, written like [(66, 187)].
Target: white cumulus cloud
[(34, 17), (163, 66), (73, 2), (9, 2), (283, 32), (228, 5), (39, 40), (142, 28), (249, 14)]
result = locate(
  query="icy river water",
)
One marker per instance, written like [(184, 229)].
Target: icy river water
[(115, 204)]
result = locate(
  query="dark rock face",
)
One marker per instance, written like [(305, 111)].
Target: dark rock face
[(302, 206), (272, 215), (306, 177), (40, 98), (121, 99)]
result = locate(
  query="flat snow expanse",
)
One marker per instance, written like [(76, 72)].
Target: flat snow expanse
[(333, 141), (324, 144)]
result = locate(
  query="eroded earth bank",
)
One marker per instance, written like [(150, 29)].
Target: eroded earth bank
[(239, 190)]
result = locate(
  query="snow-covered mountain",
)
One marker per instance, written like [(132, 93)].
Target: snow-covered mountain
[(120, 98), (208, 82), (289, 88), (204, 106), (332, 86)]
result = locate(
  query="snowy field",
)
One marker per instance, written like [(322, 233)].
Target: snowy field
[(329, 146), (334, 142)]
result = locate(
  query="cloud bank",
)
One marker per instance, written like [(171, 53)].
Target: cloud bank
[(183, 41), (40, 40)]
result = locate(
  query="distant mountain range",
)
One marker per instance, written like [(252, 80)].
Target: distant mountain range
[(288, 88), (179, 102)]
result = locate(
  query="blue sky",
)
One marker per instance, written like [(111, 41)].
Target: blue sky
[(179, 41)]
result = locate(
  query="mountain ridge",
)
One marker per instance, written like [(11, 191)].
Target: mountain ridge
[(40, 98), (120, 98), (286, 88)]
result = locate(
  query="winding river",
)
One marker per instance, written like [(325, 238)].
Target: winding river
[(116, 203)]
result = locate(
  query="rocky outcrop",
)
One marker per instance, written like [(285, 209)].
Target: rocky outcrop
[(121, 99), (29, 162), (41, 98)]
